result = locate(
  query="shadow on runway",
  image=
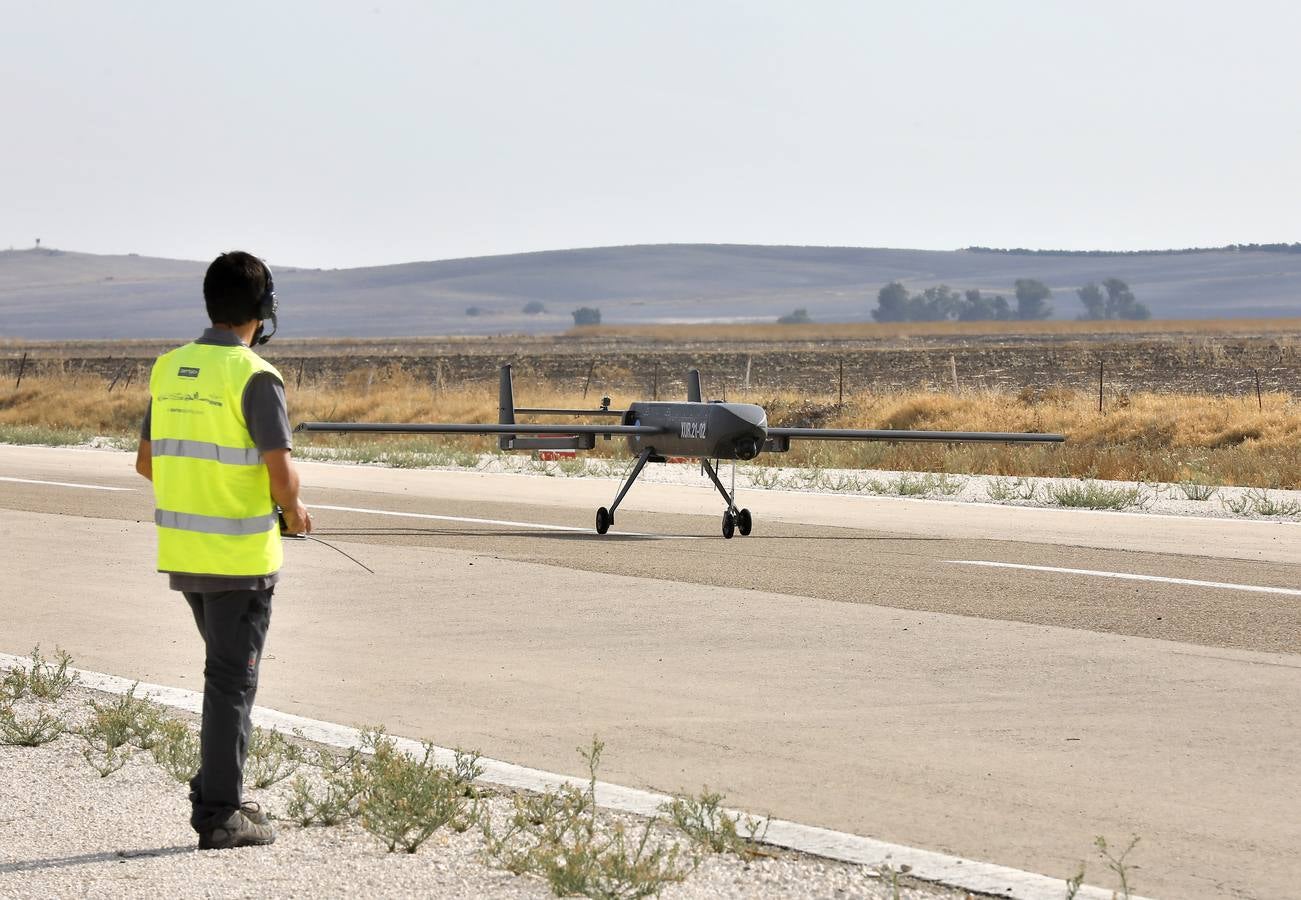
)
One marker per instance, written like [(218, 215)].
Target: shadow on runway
[(505, 532), (85, 859), (621, 538)]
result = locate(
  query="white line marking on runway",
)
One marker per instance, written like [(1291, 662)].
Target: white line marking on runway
[(71, 484), (1127, 576), (972, 875), (537, 526)]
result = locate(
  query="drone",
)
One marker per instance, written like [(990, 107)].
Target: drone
[(657, 431)]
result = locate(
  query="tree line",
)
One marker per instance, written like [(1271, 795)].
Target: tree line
[(1113, 299)]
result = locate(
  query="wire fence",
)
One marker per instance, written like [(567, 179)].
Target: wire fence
[(660, 373)]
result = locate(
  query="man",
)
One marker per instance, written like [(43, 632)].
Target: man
[(216, 444)]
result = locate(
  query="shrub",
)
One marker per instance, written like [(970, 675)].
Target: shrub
[(117, 728), (176, 750), (556, 835), (335, 797), (586, 315), (39, 728), (271, 758), (45, 681), (407, 799), (1091, 495), (703, 820)]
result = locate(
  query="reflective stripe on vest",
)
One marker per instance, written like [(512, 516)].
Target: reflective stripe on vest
[(214, 524), (231, 456)]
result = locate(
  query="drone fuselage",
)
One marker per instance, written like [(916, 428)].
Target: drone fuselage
[(700, 430)]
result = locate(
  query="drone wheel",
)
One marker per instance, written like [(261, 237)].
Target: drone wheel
[(603, 520), (744, 522), (729, 524)]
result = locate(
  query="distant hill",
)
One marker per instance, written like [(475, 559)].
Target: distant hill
[(55, 295)]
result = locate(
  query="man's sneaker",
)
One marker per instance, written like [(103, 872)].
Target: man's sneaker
[(237, 831), (252, 810)]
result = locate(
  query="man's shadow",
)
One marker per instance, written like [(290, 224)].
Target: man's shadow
[(85, 859)]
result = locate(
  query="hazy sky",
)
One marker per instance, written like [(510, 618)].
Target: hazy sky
[(338, 134)]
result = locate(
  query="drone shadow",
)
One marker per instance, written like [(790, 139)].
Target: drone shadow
[(584, 536), (460, 532)]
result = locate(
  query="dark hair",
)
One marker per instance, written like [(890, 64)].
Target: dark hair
[(233, 287)]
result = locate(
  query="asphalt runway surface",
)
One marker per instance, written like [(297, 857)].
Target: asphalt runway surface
[(998, 683)]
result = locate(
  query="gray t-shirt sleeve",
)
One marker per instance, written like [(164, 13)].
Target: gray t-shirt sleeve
[(267, 414)]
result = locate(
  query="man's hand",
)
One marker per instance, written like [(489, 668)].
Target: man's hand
[(298, 520), (145, 460), (284, 490)]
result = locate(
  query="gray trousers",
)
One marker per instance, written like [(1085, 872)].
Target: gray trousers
[(234, 629)]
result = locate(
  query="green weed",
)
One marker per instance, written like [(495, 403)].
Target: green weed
[(804, 479), (43, 680), (117, 728), (1074, 883), (765, 477), (335, 797), (1118, 863), (176, 750), (271, 758), (1200, 492), (44, 435), (704, 821), (890, 875), (1261, 503), (1093, 495), (572, 468), (556, 835), (1003, 490), (406, 800), (843, 483), (127, 719), (41, 727)]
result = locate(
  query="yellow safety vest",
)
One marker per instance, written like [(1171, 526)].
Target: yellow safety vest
[(212, 494)]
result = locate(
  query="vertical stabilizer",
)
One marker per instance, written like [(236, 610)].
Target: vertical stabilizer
[(505, 406), (693, 386)]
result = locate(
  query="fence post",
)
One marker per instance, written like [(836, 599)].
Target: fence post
[(655, 382), (841, 401), (22, 365), (748, 361), (112, 384), (587, 384), (298, 382), (1260, 402), (1100, 364), (953, 370)]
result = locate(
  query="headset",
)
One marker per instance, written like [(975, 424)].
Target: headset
[(266, 308)]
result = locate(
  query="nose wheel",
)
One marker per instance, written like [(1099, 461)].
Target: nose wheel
[(603, 520), (736, 521)]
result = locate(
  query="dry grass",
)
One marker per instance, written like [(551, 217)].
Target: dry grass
[(1140, 437), (858, 331)]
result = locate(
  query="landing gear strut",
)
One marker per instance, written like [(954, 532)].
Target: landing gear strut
[(605, 517), (734, 519)]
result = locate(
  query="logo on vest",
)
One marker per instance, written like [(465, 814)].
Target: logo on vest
[(188, 372)]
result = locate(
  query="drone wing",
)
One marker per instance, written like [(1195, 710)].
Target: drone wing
[(544, 437), (779, 439), (468, 428)]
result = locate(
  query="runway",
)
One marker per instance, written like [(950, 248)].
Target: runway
[(997, 683)]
